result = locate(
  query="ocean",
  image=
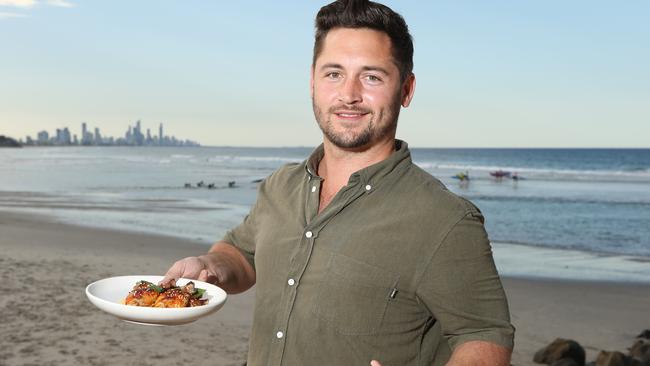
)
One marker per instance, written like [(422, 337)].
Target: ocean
[(574, 213)]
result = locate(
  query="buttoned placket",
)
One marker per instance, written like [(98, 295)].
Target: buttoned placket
[(314, 223), (297, 268), (312, 200)]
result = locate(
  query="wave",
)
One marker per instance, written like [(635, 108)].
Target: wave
[(633, 202), (636, 174), (280, 159), (603, 252)]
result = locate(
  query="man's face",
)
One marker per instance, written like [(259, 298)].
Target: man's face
[(356, 89)]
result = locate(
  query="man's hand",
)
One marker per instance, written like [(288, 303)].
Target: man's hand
[(476, 353), (190, 267), (223, 265)]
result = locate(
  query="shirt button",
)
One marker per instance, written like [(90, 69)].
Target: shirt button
[(309, 234), (368, 187), (279, 334), (291, 282), (313, 189)]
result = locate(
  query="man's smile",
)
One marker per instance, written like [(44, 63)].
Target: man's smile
[(350, 115)]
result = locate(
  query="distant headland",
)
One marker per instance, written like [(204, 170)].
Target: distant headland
[(8, 142)]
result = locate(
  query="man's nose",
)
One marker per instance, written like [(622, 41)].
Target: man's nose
[(350, 91)]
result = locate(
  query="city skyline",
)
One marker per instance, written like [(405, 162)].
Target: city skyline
[(489, 74), (134, 136)]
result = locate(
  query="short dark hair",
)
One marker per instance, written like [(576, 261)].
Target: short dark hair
[(367, 14)]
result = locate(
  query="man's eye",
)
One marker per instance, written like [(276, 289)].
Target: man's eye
[(373, 78), (333, 75)]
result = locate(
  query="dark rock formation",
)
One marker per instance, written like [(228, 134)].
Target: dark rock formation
[(565, 362), (8, 142), (616, 358), (561, 349), (645, 334), (641, 350)]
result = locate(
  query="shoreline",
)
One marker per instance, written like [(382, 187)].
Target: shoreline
[(517, 260), (43, 261)]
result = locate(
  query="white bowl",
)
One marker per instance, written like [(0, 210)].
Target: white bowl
[(107, 295)]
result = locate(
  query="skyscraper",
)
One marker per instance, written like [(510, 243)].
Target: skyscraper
[(161, 137), (84, 134), (65, 137), (98, 137), (138, 137), (43, 137)]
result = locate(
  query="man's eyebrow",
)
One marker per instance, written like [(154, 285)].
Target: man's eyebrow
[(331, 66), (376, 68), (365, 68)]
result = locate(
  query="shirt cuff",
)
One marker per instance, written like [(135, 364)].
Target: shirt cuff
[(501, 337)]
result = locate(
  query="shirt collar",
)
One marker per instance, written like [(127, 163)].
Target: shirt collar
[(369, 175)]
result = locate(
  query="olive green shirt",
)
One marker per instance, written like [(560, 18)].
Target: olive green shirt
[(396, 268)]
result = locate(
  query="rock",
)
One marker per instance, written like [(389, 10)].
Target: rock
[(8, 142), (565, 362), (641, 350), (606, 358), (561, 349), (616, 358), (645, 334)]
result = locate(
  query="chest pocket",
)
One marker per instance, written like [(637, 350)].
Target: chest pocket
[(353, 296)]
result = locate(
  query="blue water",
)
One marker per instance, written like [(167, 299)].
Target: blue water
[(561, 161), (591, 200), (588, 199)]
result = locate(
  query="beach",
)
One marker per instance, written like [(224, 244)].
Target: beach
[(47, 320)]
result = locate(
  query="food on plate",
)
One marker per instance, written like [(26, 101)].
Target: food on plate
[(143, 294), (147, 294)]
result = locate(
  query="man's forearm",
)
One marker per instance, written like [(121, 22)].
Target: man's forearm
[(234, 273), (480, 353)]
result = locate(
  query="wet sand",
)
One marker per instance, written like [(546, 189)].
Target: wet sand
[(47, 320)]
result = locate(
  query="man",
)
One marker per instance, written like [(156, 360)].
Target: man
[(359, 256)]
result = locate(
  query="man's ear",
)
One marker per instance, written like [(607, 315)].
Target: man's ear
[(408, 89)]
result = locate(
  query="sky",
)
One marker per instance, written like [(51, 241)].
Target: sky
[(489, 73)]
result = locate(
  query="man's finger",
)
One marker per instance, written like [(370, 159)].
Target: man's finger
[(189, 267), (168, 281), (173, 274), (374, 363), (203, 275)]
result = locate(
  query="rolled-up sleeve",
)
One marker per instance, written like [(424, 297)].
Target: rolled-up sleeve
[(462, 290)]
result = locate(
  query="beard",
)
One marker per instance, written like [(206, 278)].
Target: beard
[(374, 131)]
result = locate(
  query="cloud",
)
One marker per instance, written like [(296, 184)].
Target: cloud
[(28, 4), (18, 3), (25, 4), (60, 3), (4, 15)]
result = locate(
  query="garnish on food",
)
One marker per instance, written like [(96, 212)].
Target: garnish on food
[(147, 294)]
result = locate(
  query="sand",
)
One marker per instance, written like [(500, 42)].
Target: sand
[(45, 318)]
